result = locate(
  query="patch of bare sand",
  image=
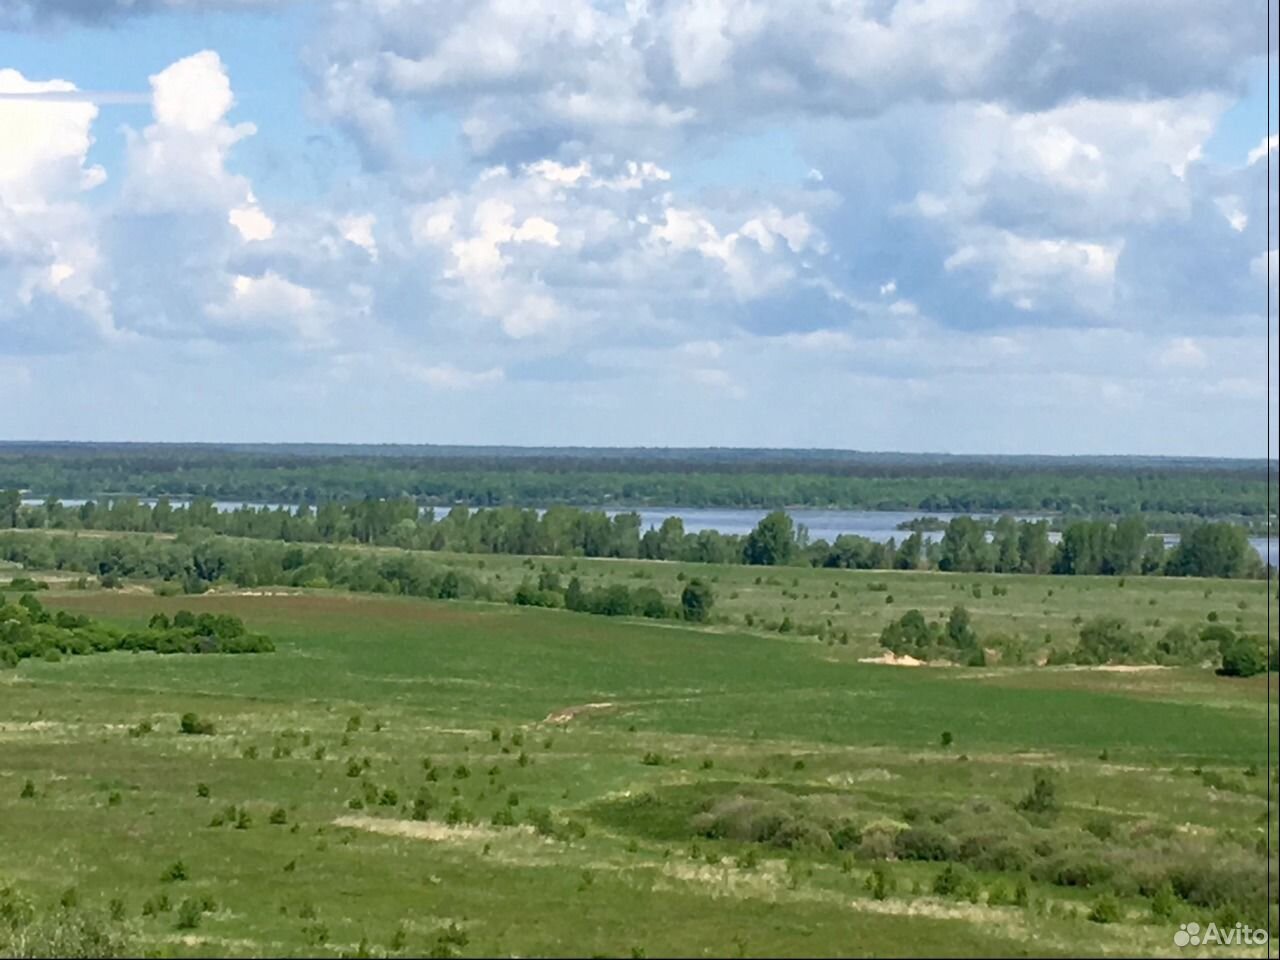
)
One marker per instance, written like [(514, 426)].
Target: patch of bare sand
[(906, 660), (425, 830), (566, 714)]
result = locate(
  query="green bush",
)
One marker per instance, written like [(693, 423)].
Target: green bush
[(191, 724)]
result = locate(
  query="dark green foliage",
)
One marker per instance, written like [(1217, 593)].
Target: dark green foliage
[(696, 601), (912, 635), (1242, 656), (772, 542), (1043, 797), (1110, 640), (28, 630), (925, 842), (174, 872), (190, 723), (955, 881)]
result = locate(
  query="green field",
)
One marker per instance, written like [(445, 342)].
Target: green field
[(628, 764)]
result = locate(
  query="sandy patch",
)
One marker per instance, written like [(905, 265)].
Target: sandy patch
[(569, 713), (906, 660), (874, 775), (425, 829)]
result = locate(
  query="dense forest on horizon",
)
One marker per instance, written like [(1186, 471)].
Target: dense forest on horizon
[(722, 477)]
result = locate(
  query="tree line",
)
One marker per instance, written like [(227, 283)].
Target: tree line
[(28, 630), (192, 567), (1123, 547), (1102, 640), (752, 479)]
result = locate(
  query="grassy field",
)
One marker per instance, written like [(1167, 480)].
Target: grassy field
[(604, 747)]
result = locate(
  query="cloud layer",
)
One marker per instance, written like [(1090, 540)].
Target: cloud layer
[(560, 227)]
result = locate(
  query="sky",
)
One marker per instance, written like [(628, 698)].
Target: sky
[(966, 226)]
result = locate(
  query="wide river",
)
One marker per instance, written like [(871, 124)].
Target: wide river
[(880, 525)]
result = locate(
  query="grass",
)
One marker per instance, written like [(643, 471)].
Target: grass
[(407, 693)]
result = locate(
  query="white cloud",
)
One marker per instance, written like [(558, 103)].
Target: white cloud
[(445, 376), (1232, 212), (252, 223), (273, 305), (1183, 352), (358, 229), (49, 254), (178, 163), (1025, 269), (1267, 145), (621, 75)]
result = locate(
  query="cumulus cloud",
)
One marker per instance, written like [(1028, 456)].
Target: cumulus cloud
[(541, 73), (50, 264), (927, 199), (546, 248)]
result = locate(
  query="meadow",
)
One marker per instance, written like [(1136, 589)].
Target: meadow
[(406, 776)]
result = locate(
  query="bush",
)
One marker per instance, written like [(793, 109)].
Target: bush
[(955, 881), (193, 725), (189, 914), (926, 842), (174, 872), (1109, 640), (1106, 910), (1242, 656), (1043, 796), (696, 601)]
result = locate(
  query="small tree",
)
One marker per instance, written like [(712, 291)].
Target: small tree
[(1242, 657), (1043, 797), (696, 601)]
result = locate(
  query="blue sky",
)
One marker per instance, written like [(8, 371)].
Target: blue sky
[(951, 226)]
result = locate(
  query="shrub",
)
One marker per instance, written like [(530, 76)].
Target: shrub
[(458, 814), (278, 816), (881, 883), (1106, 909), (174, 872), (1242, 656), (926, 842), (1043, 796), (192, 724), (696, 601), (955, 881), (28, 791), (189, 914)]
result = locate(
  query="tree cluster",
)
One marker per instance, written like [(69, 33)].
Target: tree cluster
[(1092, 547), (28, 630)]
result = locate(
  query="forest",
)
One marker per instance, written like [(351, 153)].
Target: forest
[(447, 476)]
